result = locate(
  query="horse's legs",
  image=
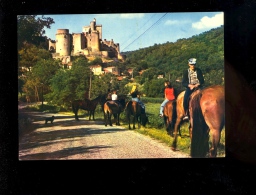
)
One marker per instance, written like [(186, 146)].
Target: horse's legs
[(109, 119), (106, 118), (133, 121), (176, 128), (215, 123), (117, 119), (129, 120), (89, 112), (138, 118), (168, 126), (190, 131), (92, 113), (215, 133)]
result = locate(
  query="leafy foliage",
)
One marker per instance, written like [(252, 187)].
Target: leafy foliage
[(30, 29), (68, 85)]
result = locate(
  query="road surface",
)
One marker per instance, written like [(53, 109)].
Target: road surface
[(68, 139)]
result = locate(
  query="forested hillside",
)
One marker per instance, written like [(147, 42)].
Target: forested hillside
[(170, 59)]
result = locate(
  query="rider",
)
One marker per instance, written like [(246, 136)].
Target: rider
[(135, 97), (168, 95), (192, 80), (114, 97)]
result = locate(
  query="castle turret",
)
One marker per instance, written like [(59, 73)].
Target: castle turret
[(63, 42), (93, 24)]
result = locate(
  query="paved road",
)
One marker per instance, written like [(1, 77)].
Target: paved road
[(67, 139)]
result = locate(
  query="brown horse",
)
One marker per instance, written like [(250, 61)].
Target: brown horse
[(207, 115), (170, 116), (180, 113), (89, 105), (132, 108), (112, 108), (103, 99)]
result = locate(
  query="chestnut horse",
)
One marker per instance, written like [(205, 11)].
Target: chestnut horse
[(201, 123), (170, 116), (133, 108), (89, 105), (207, 115), (112, 108)]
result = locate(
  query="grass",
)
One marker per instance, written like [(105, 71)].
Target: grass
[(155, 128)]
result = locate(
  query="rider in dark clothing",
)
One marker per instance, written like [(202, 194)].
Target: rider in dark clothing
[(192, 79)]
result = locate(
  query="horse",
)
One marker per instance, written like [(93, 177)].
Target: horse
[(170, 116), (180, 113), (133, 108), (112, 108), (207, 115), (86, 104), (103, 99)]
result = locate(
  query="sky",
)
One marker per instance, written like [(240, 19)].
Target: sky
[(140, 30)]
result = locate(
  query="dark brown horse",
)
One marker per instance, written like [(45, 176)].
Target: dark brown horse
[(112, 108), (89, 105), (207, 115), (132, 108)]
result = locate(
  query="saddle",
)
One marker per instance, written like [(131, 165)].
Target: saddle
[(114, 103)]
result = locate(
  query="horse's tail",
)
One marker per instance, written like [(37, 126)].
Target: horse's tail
[(199, 141)]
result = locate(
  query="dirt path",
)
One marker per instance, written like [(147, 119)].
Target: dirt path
[(69, 139)]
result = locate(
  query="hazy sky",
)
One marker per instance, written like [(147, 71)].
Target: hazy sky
[(135, 31)]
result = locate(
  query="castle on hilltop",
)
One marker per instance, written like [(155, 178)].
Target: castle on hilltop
[(88, 43)]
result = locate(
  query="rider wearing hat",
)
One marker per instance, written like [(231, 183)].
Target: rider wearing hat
[(192, 80)]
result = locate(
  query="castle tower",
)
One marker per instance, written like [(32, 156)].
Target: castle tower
[(63, 42), (95, 43), (78, 42)]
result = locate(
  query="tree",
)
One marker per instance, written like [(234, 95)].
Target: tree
[(30, 29), (40, 77), (68, 85), (29, 55), (154, 88)]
